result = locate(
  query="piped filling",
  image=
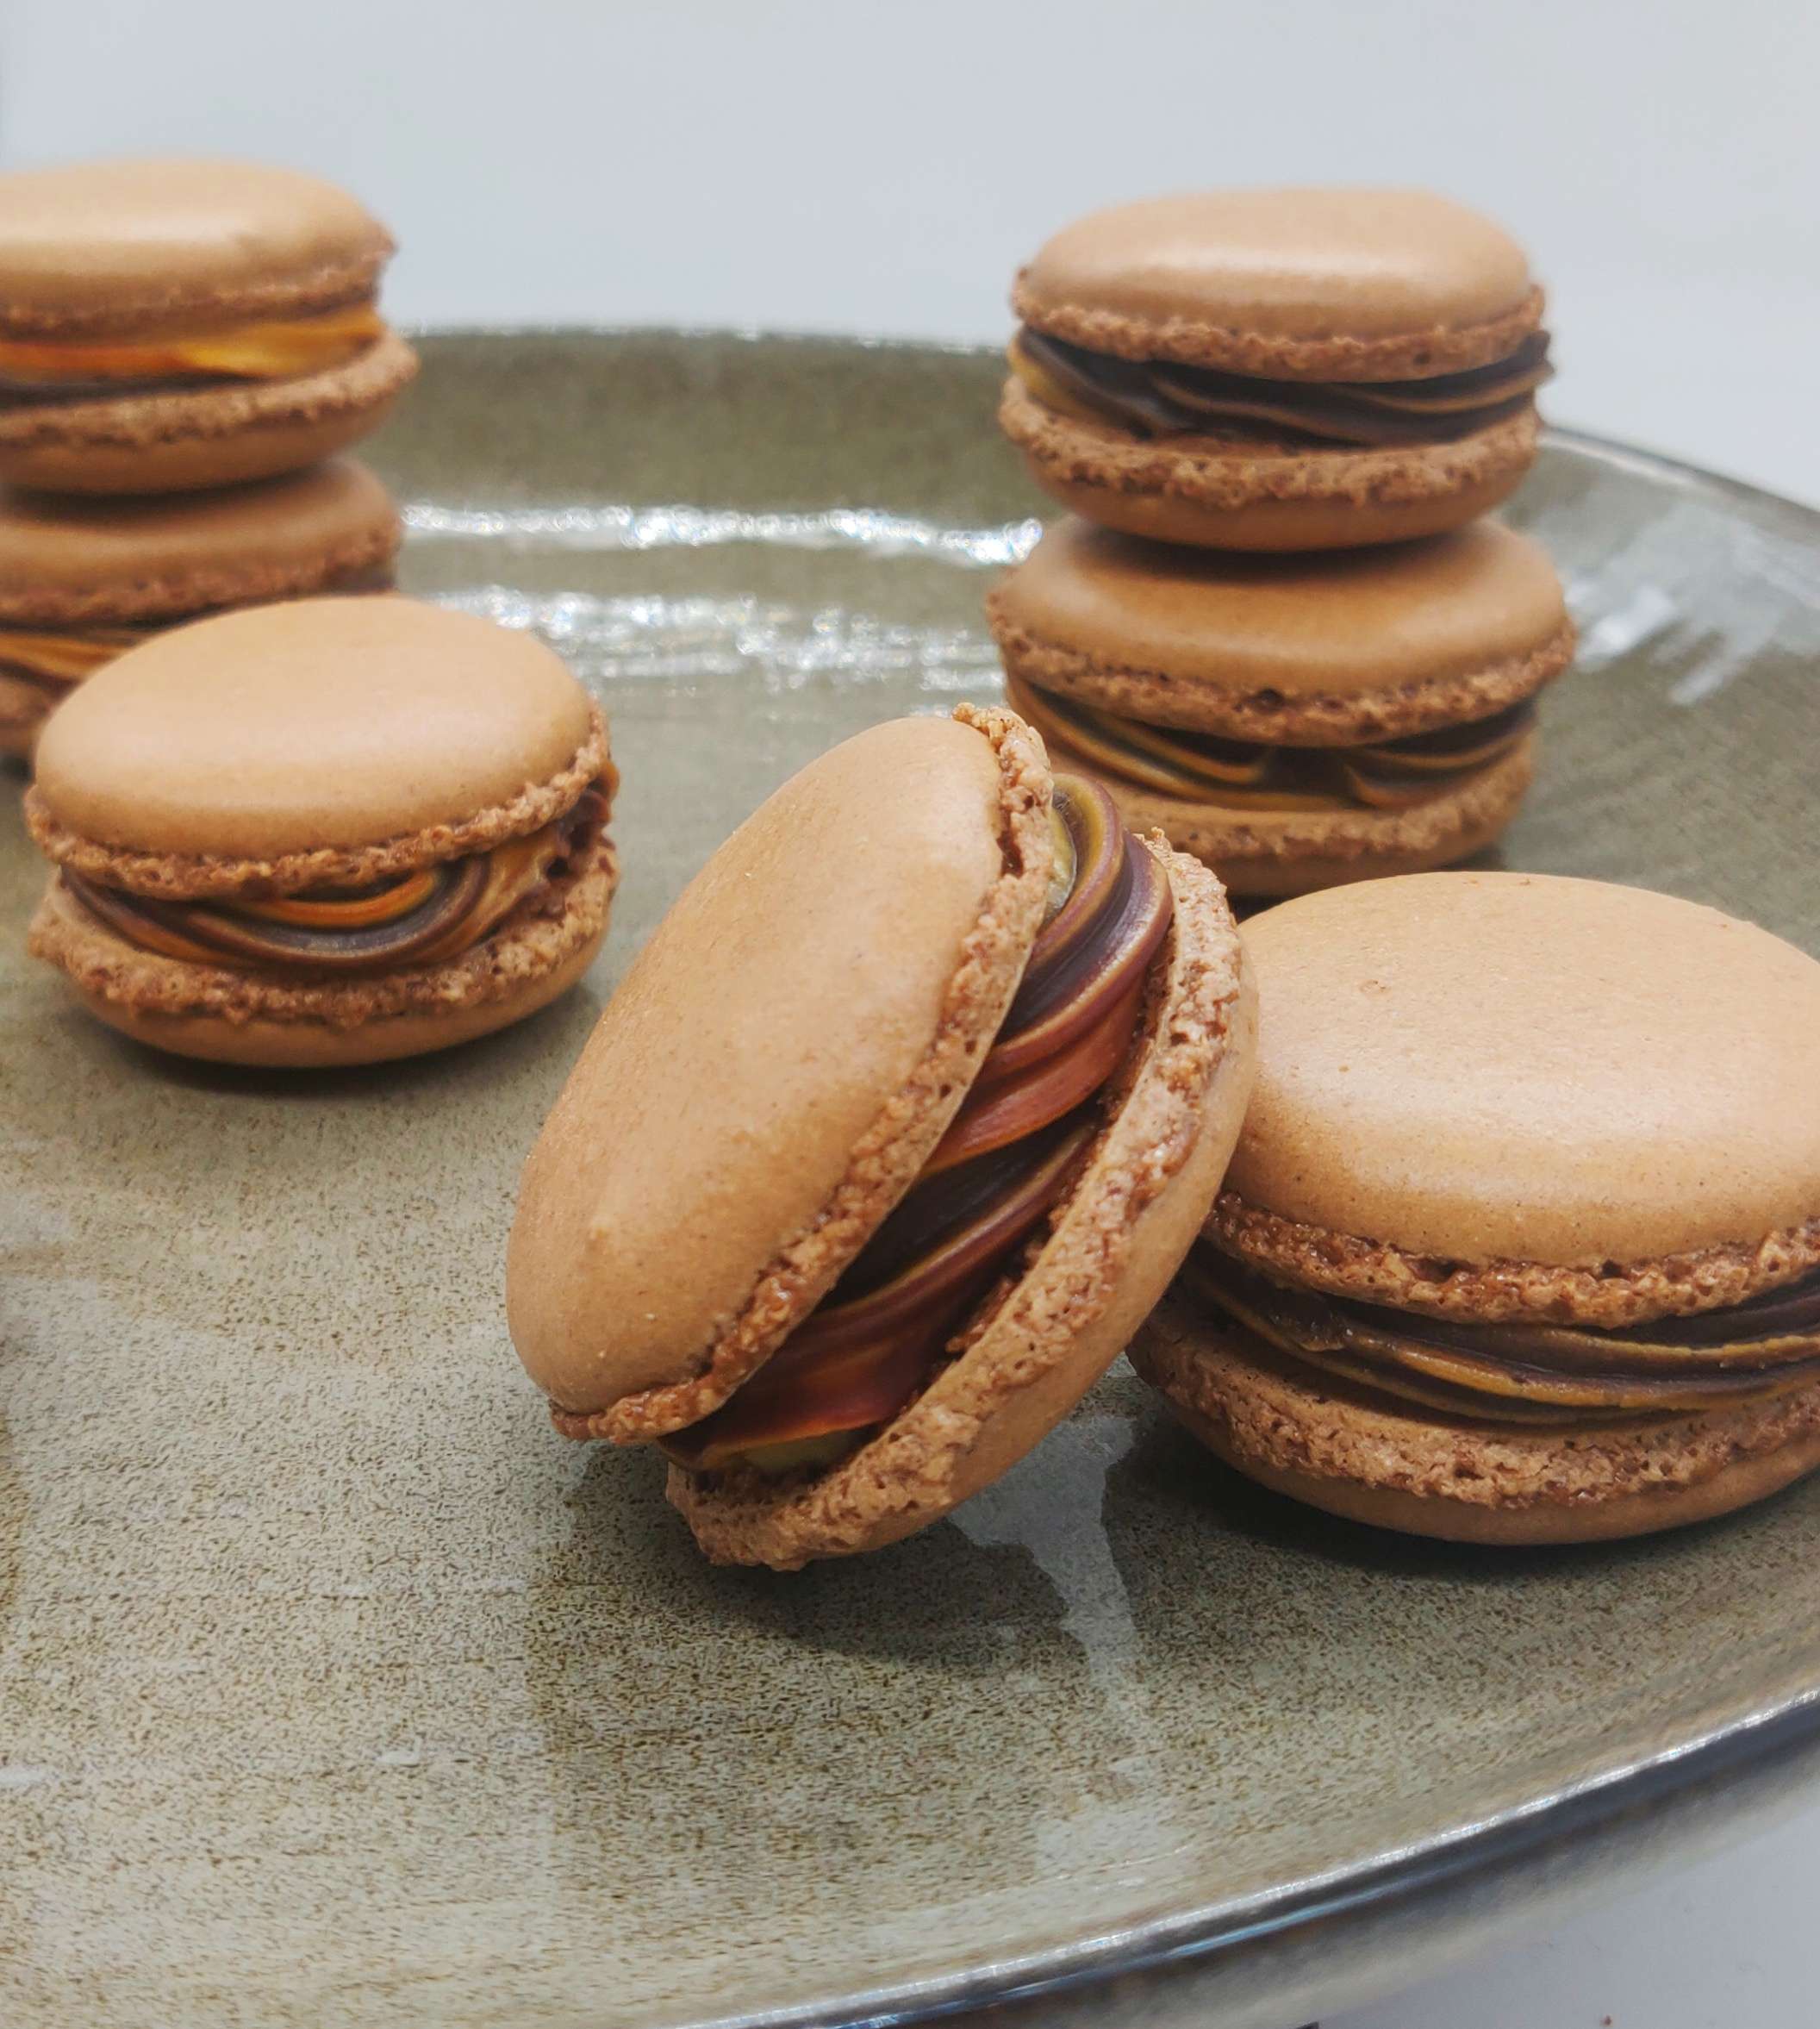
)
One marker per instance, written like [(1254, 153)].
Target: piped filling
[(1159, 399), (69, 369), (55, 659), (420, 918), (1531, 1374), (1235, 775), (1009, 1154)]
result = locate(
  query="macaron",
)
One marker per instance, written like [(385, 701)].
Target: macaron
[(328, 832), (1278, 369), (1296, 721), (1521, 1241), (167, 324), (82, 580), (899, 1124)]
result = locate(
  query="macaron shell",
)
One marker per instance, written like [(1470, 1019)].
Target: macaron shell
[(1279, 853), (774, 1070), (225, 1017), (1456, 627), (1478, 1067), (1327, 283), (321, 723), (1109, 1254), (67, 563), (139, 245), (1206, 492), (218, 434), (23, 709), (1369, 1462)]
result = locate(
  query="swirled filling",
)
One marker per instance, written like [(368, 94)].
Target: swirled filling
[(55, 659), (70, 369), (420, 918), (1008, 1155), (1235, 775), (1159, 399), (1530, 1374)]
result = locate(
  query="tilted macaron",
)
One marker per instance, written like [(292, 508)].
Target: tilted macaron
[(169, 324), (1521, 1242), (900, 1123), (1278, 369), (82, 580), (1295, 722), (328, 832)]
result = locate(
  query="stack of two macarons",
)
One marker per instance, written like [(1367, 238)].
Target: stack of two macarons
[(1274, 624), (184, 348)]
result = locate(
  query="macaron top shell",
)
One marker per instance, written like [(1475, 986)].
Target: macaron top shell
[(1484, 1067), (67, 561), (1333, 284), (776, 1065), (1334, 625), (324, 723), (134, 246)]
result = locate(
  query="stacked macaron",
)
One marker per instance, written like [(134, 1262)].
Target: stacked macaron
[(1277, 629), (177, 338)]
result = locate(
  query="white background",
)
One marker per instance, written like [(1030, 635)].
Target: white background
[(842, 165)]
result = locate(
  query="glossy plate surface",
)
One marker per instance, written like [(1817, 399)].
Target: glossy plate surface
[(335, 1689)]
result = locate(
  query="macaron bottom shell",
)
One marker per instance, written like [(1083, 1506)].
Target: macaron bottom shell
[(513, 973), (1205, 493), (1274, 855), (1324, 1445), (217, 434)]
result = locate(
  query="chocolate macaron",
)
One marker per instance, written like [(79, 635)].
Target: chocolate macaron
[(1521, 1242), (1295, 722), (898, 1125), (328, 832), (82, 580), (1278, 369), (172, 323)]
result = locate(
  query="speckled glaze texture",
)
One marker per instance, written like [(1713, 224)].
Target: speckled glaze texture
[(336, 1689)]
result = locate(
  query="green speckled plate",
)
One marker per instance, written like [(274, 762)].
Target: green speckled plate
[(336, 1689)]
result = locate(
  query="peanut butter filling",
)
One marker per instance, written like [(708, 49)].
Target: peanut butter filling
[(1235, 775), (1008, 1155), (421, 918), (271, 349), (1530, 1374), (1159, 399)]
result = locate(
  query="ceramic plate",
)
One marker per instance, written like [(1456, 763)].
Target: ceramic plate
[(335, 1689)]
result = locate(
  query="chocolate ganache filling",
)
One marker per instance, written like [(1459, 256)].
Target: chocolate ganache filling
[(1159, 399), (1527, 1373), (1238, 776), (1009, 1153), (418, 918)]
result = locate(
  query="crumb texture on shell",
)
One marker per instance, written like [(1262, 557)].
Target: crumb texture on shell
[(67, 561), (1496, 1068), (179, 768), (135, 246), (1062, 1313), (1300, 284), (1227, 474), (720, 1153), (1279, 1425)]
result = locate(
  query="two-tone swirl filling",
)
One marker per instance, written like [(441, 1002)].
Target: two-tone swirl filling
[(37, 371), (1240, 776), (1162, 398), (1008, 1155), (1530, 1373), (420, 918)]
